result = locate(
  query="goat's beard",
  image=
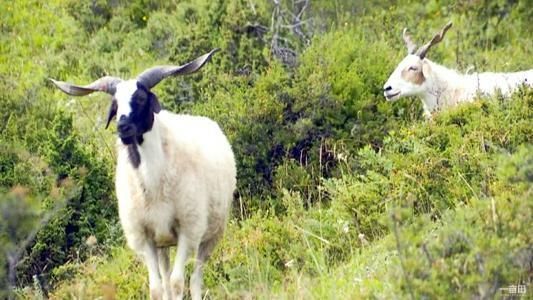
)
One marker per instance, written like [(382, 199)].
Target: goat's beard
[(130, 140), (133, 154)]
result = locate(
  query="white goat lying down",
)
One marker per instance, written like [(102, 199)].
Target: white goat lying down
[(175, 177), (440, 87)]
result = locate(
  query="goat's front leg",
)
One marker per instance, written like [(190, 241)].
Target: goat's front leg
[(177, 278), (164, 270), (149, 253)]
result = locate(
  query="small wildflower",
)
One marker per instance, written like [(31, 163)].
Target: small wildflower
[(342, 157), (91, 241), (145, 18), (290, 263), (345, 227), (362, 238)]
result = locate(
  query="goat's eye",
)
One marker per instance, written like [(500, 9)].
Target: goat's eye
[(412, 68)]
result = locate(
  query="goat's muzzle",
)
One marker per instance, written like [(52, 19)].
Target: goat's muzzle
[(126, 130), (390, 93)]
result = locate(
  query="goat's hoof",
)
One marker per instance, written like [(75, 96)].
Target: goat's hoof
[(156, 294), (196, 296), (177, 288), (196, 292)]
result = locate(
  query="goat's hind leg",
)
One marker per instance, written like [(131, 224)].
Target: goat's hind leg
[(204, 251)]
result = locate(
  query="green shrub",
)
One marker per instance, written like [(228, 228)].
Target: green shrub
[(486, 243), (86, 212)]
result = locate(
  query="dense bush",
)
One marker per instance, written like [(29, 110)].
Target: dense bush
[(486, 243), (450, 193), (432, 168)]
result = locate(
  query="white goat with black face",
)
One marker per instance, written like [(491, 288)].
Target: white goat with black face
[(175, 177), (440, 87)]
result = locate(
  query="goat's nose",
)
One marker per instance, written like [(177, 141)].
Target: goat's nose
[(387, 88), (123, 124)]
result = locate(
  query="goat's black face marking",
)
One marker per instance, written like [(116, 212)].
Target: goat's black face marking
[(142, 112), (140, 119), (135, 109)]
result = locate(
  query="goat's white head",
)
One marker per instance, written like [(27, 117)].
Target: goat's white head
[(132, 101), (411, 74)]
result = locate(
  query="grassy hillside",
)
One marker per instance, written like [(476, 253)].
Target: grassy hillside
[(426, 216), (341, 195)]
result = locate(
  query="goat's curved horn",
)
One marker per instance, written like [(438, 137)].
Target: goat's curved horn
[(411, 46), (435, 40), (107, 84), (154, 75)]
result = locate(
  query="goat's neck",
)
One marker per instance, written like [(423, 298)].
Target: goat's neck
[(152, 157), (445, 86)]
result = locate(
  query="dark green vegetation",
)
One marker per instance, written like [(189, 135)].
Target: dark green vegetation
[(341, 194)]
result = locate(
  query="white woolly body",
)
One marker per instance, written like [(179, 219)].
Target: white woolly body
[(445, 87), (175, 178), (440, 87), (184, 183)]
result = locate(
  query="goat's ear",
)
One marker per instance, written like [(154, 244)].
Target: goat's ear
[(112, 112), (426, 69), (154, 102), (411, 46)]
